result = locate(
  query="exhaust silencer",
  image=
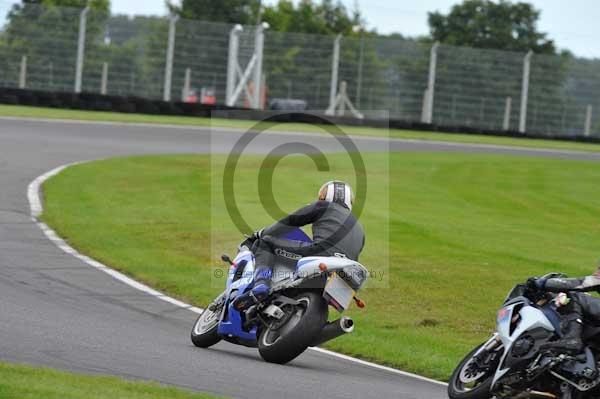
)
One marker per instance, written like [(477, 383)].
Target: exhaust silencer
[(334, 329)]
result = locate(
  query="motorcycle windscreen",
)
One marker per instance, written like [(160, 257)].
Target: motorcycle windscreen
[(298, 235)]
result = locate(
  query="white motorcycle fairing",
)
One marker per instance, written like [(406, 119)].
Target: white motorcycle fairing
[(530, 318)]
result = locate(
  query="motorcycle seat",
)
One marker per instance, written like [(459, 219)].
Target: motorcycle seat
[(283, 269)]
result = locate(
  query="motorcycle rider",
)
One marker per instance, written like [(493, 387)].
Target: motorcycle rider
[(578, 308), (336, 232)]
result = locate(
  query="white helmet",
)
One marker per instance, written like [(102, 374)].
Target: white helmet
[(337, 191)]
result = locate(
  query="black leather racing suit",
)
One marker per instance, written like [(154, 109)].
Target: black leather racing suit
[(336, 232), (582, 308)]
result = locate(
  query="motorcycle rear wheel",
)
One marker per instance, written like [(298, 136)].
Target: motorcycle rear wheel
[(284, 343), (458, 390)]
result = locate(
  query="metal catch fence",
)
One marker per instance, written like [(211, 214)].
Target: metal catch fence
[(66, 49)]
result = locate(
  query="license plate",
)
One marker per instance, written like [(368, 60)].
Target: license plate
[(338, 292)]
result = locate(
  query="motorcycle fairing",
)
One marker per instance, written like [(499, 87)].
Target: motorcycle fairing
[(231, 324), (531, 318), (353, 272)]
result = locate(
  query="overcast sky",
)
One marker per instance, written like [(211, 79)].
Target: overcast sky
[(573, 24)]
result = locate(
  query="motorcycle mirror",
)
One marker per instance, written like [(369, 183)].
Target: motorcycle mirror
[(225, 258)]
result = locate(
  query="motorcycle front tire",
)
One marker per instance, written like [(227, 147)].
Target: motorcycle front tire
[(481, 391), (204, 333)]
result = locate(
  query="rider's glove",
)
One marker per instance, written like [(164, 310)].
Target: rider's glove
[(531, 284), (535, 284)]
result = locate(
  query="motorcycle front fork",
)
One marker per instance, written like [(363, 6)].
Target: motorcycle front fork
[(482, 357)]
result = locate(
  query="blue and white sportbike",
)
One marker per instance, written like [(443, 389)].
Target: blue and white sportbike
[(513, 363), (294, 316)]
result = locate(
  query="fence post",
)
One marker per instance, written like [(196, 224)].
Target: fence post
[(186, 84), (343, 94), (430, 92), (23, 73), (507, 109), (80, 48), (104, 82), (169, 61), (525, 91), (232, 60), (259, 41), (334, 72), (424, 106), (360, 71), (588, 121)]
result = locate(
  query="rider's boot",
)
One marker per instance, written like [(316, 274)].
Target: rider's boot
[(572, 328), (571, 346), (258, 293)]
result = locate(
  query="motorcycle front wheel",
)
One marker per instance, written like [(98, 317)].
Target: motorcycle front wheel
[(468, 382), (283, 342), (204, 332)]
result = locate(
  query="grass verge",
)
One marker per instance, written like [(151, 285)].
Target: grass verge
[(464, 228), (54, 113), (26, 382)]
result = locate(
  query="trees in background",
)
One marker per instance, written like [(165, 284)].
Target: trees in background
[(325, 18), (489, 76), (489, 24), (243, 12), (99, 5), (306, 16)]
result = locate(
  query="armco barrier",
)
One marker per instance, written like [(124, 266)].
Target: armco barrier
[(130, 104)]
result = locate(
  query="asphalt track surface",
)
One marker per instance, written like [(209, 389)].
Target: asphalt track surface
[(57, 311)]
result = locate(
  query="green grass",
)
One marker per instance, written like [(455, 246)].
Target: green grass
[(26, 382), (53, 113), (463, 229)]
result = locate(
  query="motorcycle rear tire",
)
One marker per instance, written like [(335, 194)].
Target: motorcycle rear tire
[(289, 346)]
